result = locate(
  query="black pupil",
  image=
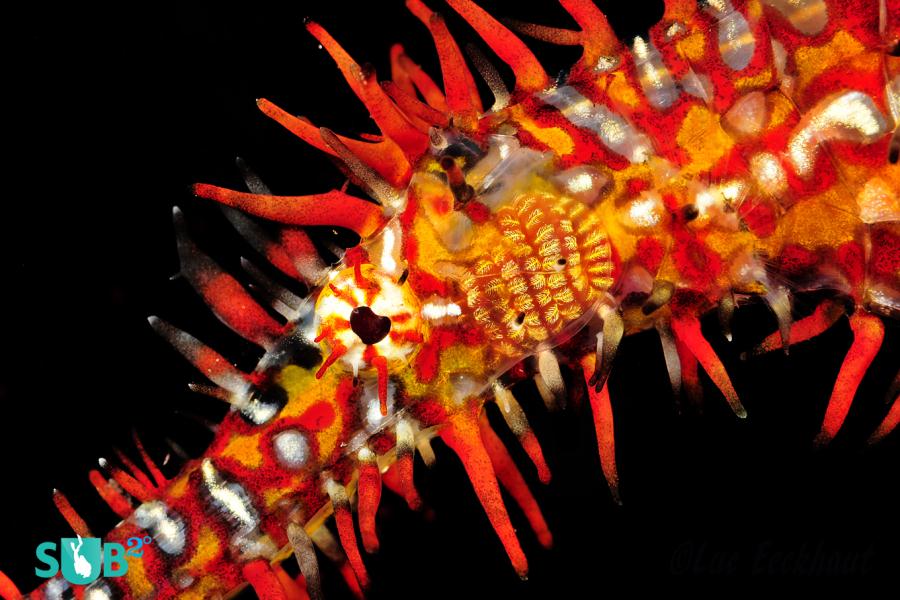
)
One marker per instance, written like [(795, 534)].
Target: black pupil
[(368, 326)]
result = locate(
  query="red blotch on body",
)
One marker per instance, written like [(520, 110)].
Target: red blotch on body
[(696, 263), (317, 417), (636, 186), (795, 259), (429, 413), (427, 361), (649, 252), (760, 217), (885, 260), (355, 256), (478, 212), (851, 259)]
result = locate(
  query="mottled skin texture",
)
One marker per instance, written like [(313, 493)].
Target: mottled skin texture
[(526, 282)]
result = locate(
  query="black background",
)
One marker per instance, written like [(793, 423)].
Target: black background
[(115, 113)]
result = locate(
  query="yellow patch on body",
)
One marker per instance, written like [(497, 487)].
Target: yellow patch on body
[(208, 548), (177, 487), (758, 81), (780, 108), (729, 244), (245, 450), (555, 137), (825, 220), (754, 10), (304, 390), (273, 495), (693, 47), (138, 583), (621, 91), (457, 358), (811, 61), (703, 138)]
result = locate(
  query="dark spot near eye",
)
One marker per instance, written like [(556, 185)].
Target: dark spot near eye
[(268, 394), (296, 350), (456, 179), (403, 277), (894, 152), (561, 261), (459, 146), (520, 318), (368, 326), (895, 51), (690, 212)]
